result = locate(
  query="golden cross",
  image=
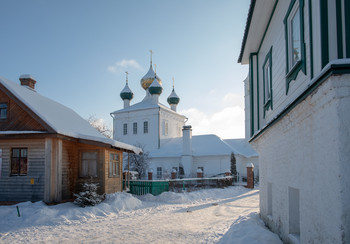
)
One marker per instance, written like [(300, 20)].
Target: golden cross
[(151, 55), (173, 82), (126, 72)]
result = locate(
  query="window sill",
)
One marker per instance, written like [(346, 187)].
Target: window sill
[(267, 106), (295, 68), (293, 73), (114, 176)]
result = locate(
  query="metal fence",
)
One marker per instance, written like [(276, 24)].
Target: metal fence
[(156, 187)]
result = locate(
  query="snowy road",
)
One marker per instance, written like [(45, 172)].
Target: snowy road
[(198, 217)]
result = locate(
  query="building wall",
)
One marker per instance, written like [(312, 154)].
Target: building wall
[(241, 164), (156, 118), (175, 124), (212, 165), (274, 37), (166, 164), (305, 156), (18, 118), (151, 139), (19, 188)]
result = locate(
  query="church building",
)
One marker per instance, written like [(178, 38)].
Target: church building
[(161, 130)]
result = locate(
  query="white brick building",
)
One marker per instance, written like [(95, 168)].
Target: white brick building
[(298, 115)]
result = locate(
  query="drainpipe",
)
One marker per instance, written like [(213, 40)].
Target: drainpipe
[(159, 127)]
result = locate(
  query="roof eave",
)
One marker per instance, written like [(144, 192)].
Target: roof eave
[(246, 30), (259, 17)]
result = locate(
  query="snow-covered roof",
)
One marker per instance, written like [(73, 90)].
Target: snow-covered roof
[(173, 94), (202, 145), (150, 74), (205, 145), (126, 89), (155, 83), (146, 103), (27, 76), (242, 147), (60, 118)]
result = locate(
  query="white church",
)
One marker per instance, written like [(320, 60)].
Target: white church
[(163, 133)]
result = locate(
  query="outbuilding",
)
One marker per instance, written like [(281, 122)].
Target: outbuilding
[(47, 150)]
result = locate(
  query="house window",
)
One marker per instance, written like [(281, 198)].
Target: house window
[(294, 40), (159, 172), (134, 128), (178, 129), (166, 128), (294, 36), (19, 161), (145, 127), (267, 78), (125, 129), (114, 165), (3, 110), (88, 165)]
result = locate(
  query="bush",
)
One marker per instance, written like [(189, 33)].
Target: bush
[(89, 196)]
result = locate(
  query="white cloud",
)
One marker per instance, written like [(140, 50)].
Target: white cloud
[(227, 122), (124, 65)]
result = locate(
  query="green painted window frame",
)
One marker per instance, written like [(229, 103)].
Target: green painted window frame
[(292, 72), (267, 101)]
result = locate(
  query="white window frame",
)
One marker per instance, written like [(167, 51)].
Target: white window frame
[(134, 128), (159, 172), (145, 127), (114, 169), (166, 128), (125, 129)]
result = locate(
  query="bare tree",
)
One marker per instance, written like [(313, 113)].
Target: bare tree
[(100, 125), (138, 163)]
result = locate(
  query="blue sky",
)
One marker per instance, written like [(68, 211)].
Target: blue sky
[(78, 52)]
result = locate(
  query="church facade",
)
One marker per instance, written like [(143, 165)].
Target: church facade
[(162, 132)]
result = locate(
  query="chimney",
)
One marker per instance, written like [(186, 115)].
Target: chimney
[(187, 140), (187, 157), (27, 80)]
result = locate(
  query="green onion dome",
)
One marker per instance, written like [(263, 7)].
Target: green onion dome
[(155, 87), (126, 93), (173, 98), (147, 80)]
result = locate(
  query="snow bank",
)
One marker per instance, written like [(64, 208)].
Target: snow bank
[(249, 229), (195, 196), (39, 213)]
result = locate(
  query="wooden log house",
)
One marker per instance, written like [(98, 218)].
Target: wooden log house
[(47, 150)]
